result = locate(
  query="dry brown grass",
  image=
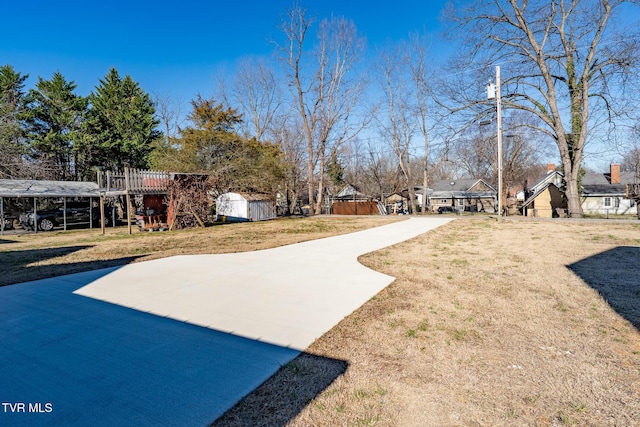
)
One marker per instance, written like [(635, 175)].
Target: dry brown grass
[(26, 257), (487, 324), (531, 323)]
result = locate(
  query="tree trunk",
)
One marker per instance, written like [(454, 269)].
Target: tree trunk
[(310, 182), (572, 192), (412, 199), (318, 209), (425, 177)]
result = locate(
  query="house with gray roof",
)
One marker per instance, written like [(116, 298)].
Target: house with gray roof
[(474, 195), (605, 193)]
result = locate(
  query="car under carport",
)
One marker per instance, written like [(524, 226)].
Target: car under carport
[(43, 189)]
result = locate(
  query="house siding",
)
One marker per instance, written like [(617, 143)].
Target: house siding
[(480, 187), (437, 202), (546, 203), (613, 185), (481, 204), (594, 205)]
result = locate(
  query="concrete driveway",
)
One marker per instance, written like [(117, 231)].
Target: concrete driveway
[(177, 341)]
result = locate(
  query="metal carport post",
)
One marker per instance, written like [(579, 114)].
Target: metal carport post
[(1, 216)]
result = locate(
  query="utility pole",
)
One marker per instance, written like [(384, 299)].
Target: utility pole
[(499, 109), (494, 92)]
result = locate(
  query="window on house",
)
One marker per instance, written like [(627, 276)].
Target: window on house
[(617, 202), (461, 202), (606, 202)]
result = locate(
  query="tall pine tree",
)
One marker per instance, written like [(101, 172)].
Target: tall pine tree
[(54, 123), (12, 109), (121, 124)]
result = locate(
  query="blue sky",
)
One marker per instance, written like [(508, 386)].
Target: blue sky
[(177, 48), (173, 47)]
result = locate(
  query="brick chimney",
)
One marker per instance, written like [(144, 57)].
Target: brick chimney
[(551, 167), (615, 173)]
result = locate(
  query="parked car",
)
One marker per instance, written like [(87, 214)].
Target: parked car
[(8, 223), (79, 214), (443, 209)]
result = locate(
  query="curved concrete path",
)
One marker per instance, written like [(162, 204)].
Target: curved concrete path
[(177, 341), (288, 296)]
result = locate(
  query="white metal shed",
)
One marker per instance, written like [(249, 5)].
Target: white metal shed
[(245, 207)]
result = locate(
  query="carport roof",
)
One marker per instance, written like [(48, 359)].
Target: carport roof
[(38, 188)]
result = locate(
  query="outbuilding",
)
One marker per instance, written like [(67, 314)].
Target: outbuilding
[(547, 202), (241, 207), (61, 191)]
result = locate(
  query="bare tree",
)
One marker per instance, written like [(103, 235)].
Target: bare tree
[(417, 51), (287, 134), (382, 171), (295, 26), (325, 95), (372, 167), (398, 124), (476, 151), (631, 161), (523, 149), (475, 154), (169, 112), (564, 62), (255, 90)]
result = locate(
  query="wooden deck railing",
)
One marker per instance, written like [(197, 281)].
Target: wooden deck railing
[(134, 181)]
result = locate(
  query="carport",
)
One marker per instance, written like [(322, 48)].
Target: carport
[(39, 189)]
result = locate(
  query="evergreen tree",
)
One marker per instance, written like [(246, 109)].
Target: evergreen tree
[(211, 145), (54, 122), (12, 110), (335, 170), (121, 124)]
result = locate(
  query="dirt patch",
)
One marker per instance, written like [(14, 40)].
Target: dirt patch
[(487, 324)]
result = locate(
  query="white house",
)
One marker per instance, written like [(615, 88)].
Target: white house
[(605, 193), (234, 207)]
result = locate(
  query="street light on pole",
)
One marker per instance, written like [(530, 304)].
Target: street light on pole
[(493, 91)]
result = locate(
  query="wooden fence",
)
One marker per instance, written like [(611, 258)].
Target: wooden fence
[(355, 208)]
